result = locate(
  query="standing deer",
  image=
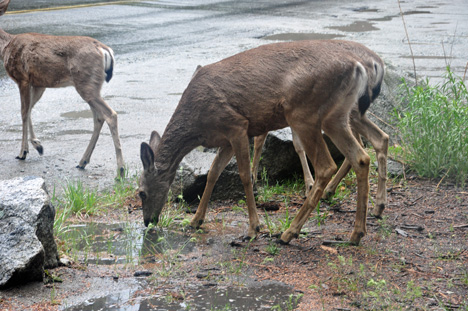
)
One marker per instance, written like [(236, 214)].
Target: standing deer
[(308, 85), (36, 62), (360, 125)]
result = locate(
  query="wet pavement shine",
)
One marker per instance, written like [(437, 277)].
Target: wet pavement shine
[(158, 45)]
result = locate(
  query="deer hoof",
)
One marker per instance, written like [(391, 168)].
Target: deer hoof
[(80, 167), (22, 157), (196, 224), (327, 195), (248, 238), (378, 210), (40, 149), (356, 238), (281, 242)]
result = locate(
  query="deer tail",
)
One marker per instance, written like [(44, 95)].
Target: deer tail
[(109, 61)]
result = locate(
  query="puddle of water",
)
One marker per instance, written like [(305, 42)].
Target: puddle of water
[(427, 57), (359, 26), (302, 36), (365, 9), (83, 114), (416, 12), (383, 19), (258, 297), (129, 242), (107, 244)]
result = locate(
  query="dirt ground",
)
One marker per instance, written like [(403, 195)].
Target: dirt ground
[(415, 258)]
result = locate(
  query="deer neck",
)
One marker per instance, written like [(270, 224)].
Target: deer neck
[(176, 142), (5, 39)]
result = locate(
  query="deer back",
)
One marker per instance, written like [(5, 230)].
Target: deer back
[(261, 86), (52, 61)]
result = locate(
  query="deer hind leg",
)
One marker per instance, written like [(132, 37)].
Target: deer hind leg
[(98, 123), (308, 179), (240, 145), (344, 169), (379, 141), (101, 112), (36, 94), (259, 141), (219, 163), (324, 166), (359, 160)]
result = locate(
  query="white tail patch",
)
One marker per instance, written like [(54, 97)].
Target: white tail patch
[(362, 79), (108, 58), (378, 71)]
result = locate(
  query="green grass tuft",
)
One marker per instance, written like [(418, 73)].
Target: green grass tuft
[(434, 129)]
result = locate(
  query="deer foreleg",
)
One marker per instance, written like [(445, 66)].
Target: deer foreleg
[(25, 94), (36, 94), (240, 144), (259, 141), (324, 167), (308, 179), (219, 163)]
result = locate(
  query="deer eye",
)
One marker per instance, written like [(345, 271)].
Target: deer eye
[(142, 195)]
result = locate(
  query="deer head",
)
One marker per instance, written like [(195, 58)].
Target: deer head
[(152, 188)]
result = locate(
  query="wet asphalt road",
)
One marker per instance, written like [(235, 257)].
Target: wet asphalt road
[(158, 45)]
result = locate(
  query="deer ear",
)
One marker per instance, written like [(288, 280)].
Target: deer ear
[(147, 157), (154, 141), (3, 6)]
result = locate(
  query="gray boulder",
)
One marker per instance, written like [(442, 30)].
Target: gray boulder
[(27, 244), (191, 178)]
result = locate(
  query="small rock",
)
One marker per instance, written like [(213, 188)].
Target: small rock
[(65, 262)]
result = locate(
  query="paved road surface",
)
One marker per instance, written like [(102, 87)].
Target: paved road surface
[(158, 45)]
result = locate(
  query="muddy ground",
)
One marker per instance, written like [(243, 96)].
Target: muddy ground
[(415, 258)]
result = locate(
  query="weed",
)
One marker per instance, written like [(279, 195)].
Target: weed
[(464, 276), (227, 307), (434, 128), (385, 229), (290, 304), (267, 260), (239, 209), (379, 294), (273, 249), (412, 291), (285, 221), (320, 217), (79, 199), (270, 224)]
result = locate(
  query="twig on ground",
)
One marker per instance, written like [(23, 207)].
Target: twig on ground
[(437, 187)]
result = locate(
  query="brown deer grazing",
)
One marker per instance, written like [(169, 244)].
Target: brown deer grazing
[(308, 85), (360, 125), (36, 62)]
